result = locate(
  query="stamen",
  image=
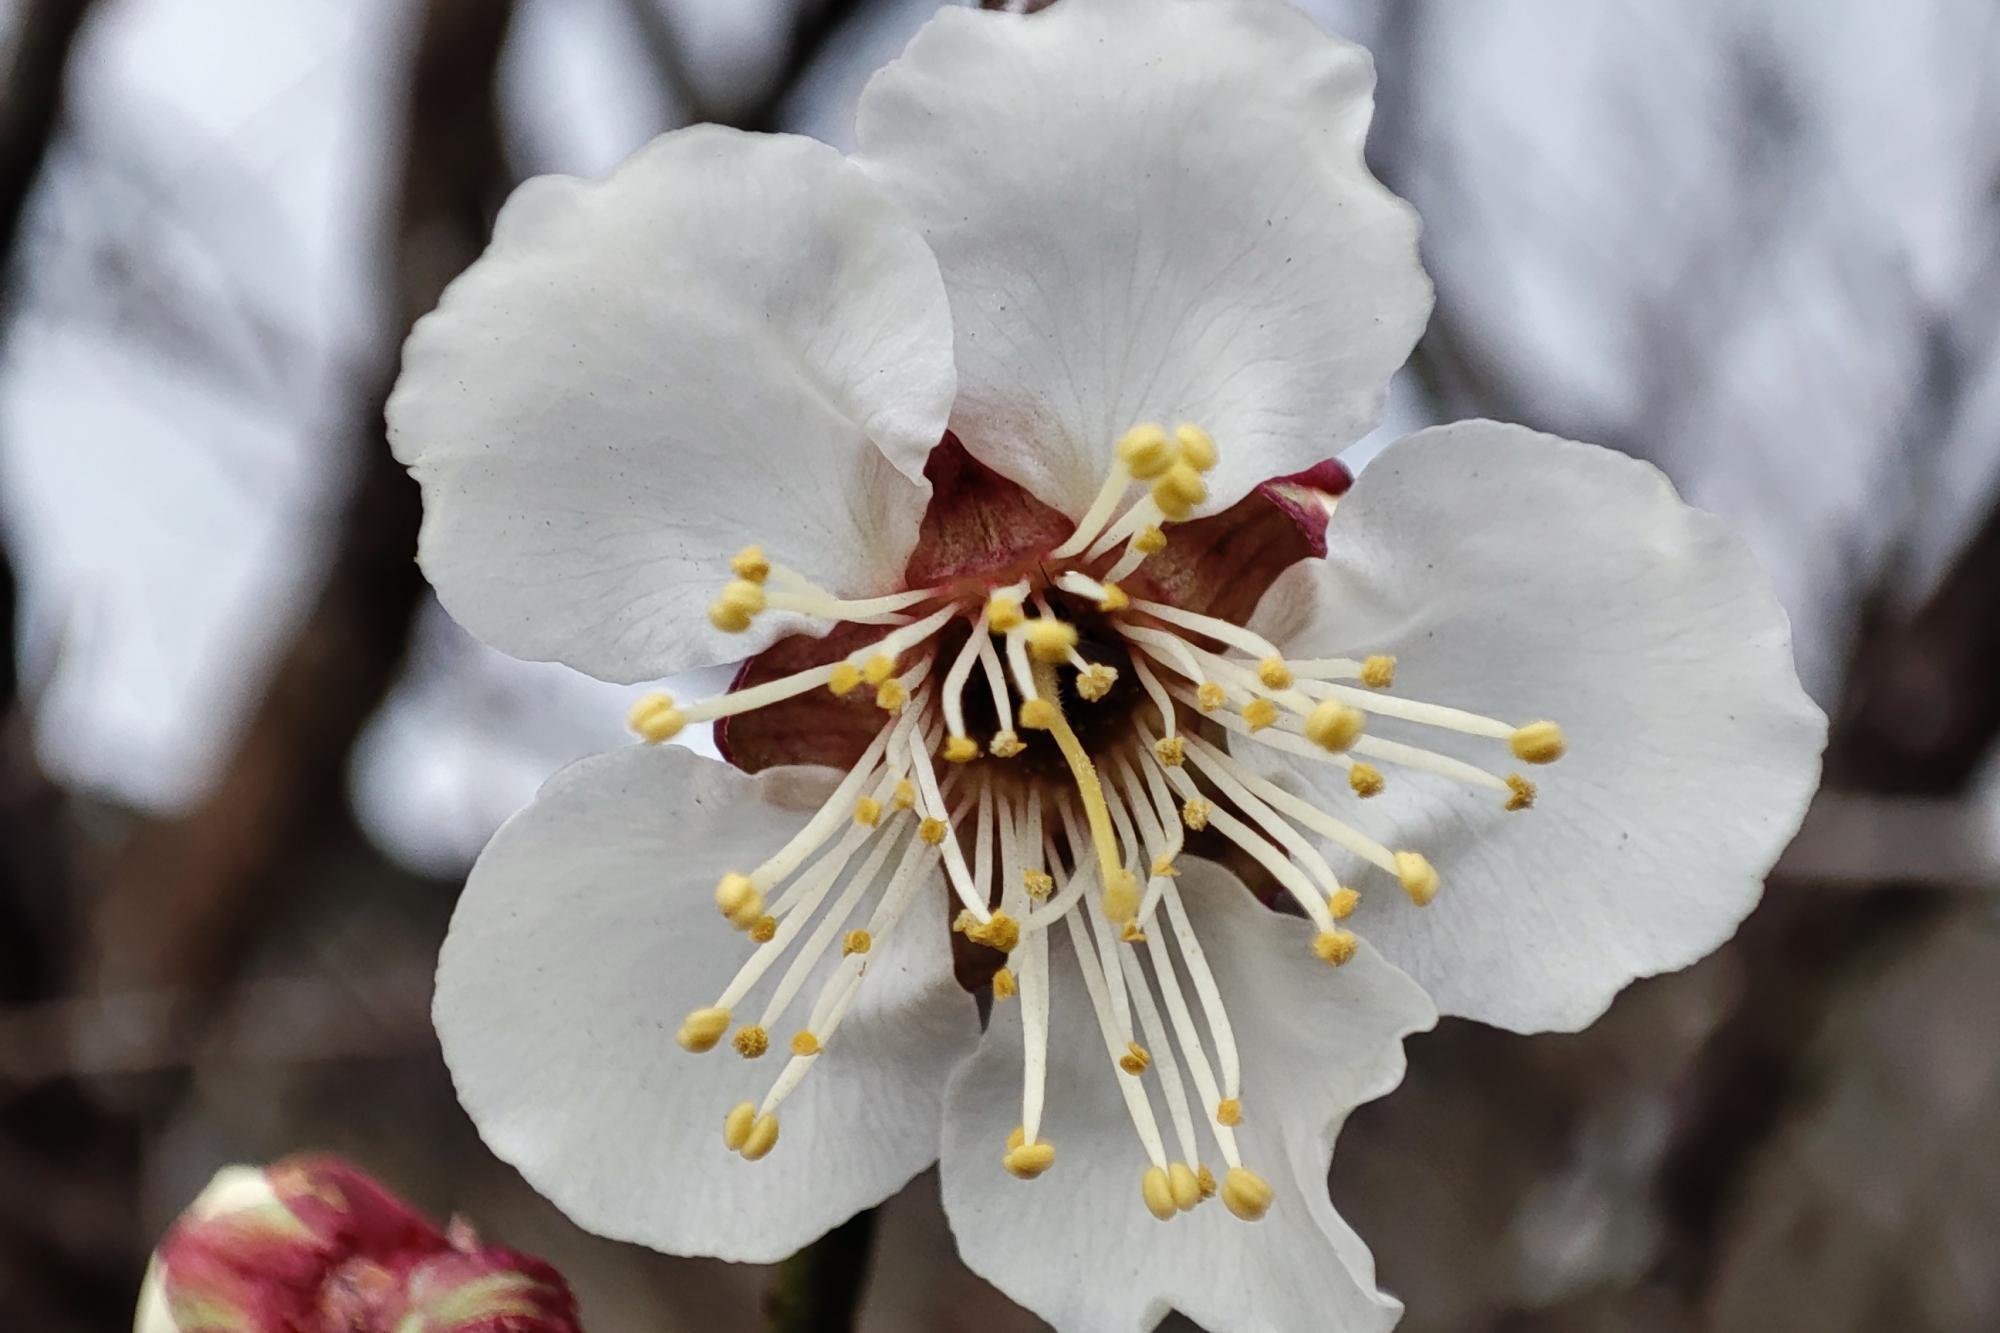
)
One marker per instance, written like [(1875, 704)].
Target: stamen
[(1413, 710), (1428, 761), (1121, 896), (954, 857), (655, 718), (831, 926), (1246, 1194), (1213, 1011), (952, 694), (1110, 598), (1157, 692), (1133, 1091), (740, 603), (750, 563), (1223, 771), (1520, 792), (1162, 1050), (1145, 450), (1539, 743), (1210, 627), (1050, 640), (702, 1029), (1309, 815)]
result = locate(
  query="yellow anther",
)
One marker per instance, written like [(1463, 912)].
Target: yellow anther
[(703, 1028), (1150, 541), (1179, 490), (1094, 682), (1158, 1192), (892, 696), (960, 750), (1539, 743), (998, 931), (1004, 985), (1229, 1111), (1131, 934), (1186, 1186), (1163, 867), (1333, 725), (655, 718), (741, 601), (736, 1125), (905, 795), (805, 1043), (1040, 883), (751, 1042), (878, 668), (1379, 672), (1114, 600), (1036, 715), (750, 565), (1335, 946), (728, 618), (1260, 713), (932, 830), (868, 812), (1017, 1136), (765, 929), (1275, 675), (1419, 877), (1172, 751), (1005, 745), (1028, 1160), (762, 1138), (1520, 792), (1210, 696), (1136, 1059), (1366, 780), (1246, 1194), (1003, 613), (1206, 1179), (1195, 813), (1050, 640), (1342, 902), (1146, 451), (846, 678), (1197, 446), (1121, 895), (857, 941), (737, 898)]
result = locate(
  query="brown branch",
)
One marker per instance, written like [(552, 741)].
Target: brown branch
[(181, 896)]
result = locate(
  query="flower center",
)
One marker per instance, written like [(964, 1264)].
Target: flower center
[(1052, 738)]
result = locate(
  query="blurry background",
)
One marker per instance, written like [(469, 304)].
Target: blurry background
[(244, 759)]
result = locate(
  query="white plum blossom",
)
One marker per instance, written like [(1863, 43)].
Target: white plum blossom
[(1076, 678)]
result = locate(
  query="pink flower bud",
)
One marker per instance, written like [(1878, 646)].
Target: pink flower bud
[(311, 1245)]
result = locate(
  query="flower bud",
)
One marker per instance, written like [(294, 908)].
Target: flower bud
[(311, 1245)]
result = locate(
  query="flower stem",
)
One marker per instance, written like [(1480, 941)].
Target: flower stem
[(819, 1288)]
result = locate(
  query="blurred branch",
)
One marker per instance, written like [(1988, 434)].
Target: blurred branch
[(813, 26), (31, 101), (181, 896), (1919, 714)]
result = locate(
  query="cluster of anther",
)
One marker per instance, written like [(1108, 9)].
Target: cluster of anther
[(1105, 807)]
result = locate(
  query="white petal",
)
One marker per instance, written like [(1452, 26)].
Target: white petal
[(1079, 1248), (588, 931), (1151, 210), (1527, 577), (734, 339)]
